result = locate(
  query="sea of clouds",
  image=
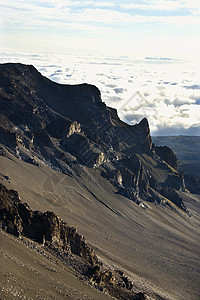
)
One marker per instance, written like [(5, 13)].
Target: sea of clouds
[(165, 91)]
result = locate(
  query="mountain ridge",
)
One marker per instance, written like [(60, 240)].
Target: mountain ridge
[(68, 126), (102, 176)]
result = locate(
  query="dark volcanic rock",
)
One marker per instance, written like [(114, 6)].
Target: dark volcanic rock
[(192, 183), (18, 219), (64, 126), (187, 149), (30, 101), (173, 195), (167, 155)]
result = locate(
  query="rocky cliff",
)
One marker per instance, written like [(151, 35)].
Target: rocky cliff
[(18, 219), (167, 155), (68, 127), (61, 240)]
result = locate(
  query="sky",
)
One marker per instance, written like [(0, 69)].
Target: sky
[(167, 28), (144, 56)]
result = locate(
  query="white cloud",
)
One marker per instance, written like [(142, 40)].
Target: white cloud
[(99, 4), (192, 5), (55, 13), (136, 89), (154, 5), (165, 5)]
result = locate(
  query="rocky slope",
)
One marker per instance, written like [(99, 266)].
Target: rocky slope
[(61, 240), (18, 219), (69, 155), (69, 127)]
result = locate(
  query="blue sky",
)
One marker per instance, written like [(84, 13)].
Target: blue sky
[(167, 28)]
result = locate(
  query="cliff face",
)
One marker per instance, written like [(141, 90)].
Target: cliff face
[(18, 219), (66, 127), (167, 155)]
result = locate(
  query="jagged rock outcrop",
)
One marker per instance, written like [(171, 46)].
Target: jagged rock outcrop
[(66, 126), (18, 219), (170, 193), (47, 228), (167, 155), (74, 127), (192, 183)]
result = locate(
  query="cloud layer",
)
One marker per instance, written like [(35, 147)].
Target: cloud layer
[(166, 92)]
